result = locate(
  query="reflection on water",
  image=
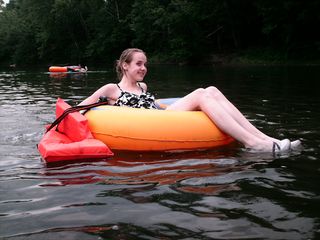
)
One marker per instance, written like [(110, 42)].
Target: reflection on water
[(225, 193), (145, 168)]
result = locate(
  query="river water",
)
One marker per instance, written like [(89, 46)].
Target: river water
[(225, 193)]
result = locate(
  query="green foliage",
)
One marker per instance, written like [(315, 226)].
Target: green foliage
[(180, 31)]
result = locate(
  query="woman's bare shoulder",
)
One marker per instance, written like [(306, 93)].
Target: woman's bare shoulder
[(110, 86), (143, 85), (110, 90)]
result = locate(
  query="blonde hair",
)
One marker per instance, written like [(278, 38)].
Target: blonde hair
[(125, 57)]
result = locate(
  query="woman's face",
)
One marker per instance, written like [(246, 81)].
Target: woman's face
[(136, 69)]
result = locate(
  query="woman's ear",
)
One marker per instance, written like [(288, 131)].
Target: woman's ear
[(125, 66)]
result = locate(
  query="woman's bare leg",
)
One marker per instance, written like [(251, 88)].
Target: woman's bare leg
[(202, 99), (237, 115)]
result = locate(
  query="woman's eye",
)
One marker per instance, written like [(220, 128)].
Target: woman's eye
[(141, 64)]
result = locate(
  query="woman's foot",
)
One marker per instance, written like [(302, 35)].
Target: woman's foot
[(282, 146), (271, 146)]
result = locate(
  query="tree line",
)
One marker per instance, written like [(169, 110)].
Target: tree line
[(175, 31)]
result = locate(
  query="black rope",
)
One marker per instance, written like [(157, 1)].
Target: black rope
[(75, 109)]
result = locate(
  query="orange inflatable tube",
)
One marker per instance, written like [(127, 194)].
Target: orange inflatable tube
[(123, 128), (64, 69), (58, 69)]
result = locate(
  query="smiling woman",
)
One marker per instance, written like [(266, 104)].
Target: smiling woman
[(130, 91), (131, 69)]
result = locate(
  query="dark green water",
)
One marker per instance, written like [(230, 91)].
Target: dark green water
[(225, 193)]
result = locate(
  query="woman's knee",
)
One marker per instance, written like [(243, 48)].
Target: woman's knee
[(199, 92), (203, 94), (213, 92)]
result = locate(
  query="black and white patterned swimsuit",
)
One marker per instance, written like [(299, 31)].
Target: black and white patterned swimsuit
[(144, 100)]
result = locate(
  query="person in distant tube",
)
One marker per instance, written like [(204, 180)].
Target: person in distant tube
[(131, 91), (78, 68)]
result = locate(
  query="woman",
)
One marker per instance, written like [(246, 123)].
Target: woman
[(131, 91)]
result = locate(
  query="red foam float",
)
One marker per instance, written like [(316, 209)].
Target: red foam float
[(71, 140)]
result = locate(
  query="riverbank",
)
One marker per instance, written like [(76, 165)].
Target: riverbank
[(265, 56), (248, 57)]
